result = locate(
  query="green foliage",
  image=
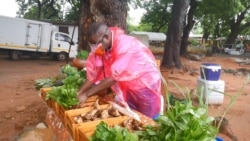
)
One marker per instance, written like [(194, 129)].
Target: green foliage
[(47, 10), (44, 83), (72, 14), (83, 54), (158, 14), (65, 95), (182, 122), (195, 43), (140, 27), (105, 133), (230, 8), (221, 16)]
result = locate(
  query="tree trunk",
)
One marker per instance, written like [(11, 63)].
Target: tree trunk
[(86, 18), (112, 12), (205, 36), (188, 27), (232, 36), (236, 28), (39, 7), (217, 31), (174, 34)]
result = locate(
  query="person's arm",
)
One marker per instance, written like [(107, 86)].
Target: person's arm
[(81, 94), (103, 85), (87, 84), (86, 90)]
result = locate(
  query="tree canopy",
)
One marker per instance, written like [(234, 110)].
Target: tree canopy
[(224, 18)]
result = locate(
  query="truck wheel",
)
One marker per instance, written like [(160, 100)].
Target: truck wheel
[(62, 56), (15, 55)]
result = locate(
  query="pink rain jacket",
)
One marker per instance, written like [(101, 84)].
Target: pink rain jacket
[(133, 66)]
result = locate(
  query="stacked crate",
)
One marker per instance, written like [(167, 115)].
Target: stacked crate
[(83, 131), (51, 103), (60, 110)]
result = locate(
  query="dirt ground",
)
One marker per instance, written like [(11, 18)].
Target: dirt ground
[(21, 107)]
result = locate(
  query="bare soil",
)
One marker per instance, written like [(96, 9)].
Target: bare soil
[(21, 107)]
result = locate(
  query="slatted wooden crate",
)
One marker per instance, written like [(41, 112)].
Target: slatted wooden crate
[(50, 103), (44, 92), (72, 126), (85, 130), (70, 114), (61, 111)]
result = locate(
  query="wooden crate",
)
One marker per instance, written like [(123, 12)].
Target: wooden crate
[(70, 114), (84, 136), (50, 103), (85, 130), (60, 110), (44, 92), (90, 101)]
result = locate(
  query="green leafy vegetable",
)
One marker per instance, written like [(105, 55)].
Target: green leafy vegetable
[(44, 82), (83, 54), (116, 133), (69, 70), (182, 122), (65, 95)]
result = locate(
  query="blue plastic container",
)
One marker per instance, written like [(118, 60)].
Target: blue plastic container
[(210, 71), (219, 139)]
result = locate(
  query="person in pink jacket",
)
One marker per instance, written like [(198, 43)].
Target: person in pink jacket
[(125, 65)]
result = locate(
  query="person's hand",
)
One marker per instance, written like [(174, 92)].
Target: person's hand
[(82, 98)]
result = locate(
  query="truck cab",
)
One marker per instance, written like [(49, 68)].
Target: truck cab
[(62, 46)]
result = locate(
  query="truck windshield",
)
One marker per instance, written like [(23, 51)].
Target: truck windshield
[(62, 37)]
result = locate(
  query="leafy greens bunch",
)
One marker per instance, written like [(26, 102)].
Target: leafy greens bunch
[(82, 54), (65, 95), (44, 83), (116, 133), (182, 122)]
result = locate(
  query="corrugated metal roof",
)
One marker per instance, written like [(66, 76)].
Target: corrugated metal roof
[(153, 36)]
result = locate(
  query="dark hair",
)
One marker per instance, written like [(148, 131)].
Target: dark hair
[(94, 28)]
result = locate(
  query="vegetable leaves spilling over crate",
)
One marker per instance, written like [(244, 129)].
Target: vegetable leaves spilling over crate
[(65, 95), (44, 83), (181, 122), (116, 133)]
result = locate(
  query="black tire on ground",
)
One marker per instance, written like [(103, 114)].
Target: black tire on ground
[(62, 56), (15, 55)]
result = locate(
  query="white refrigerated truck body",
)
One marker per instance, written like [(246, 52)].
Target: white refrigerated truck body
[(34, 38)]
